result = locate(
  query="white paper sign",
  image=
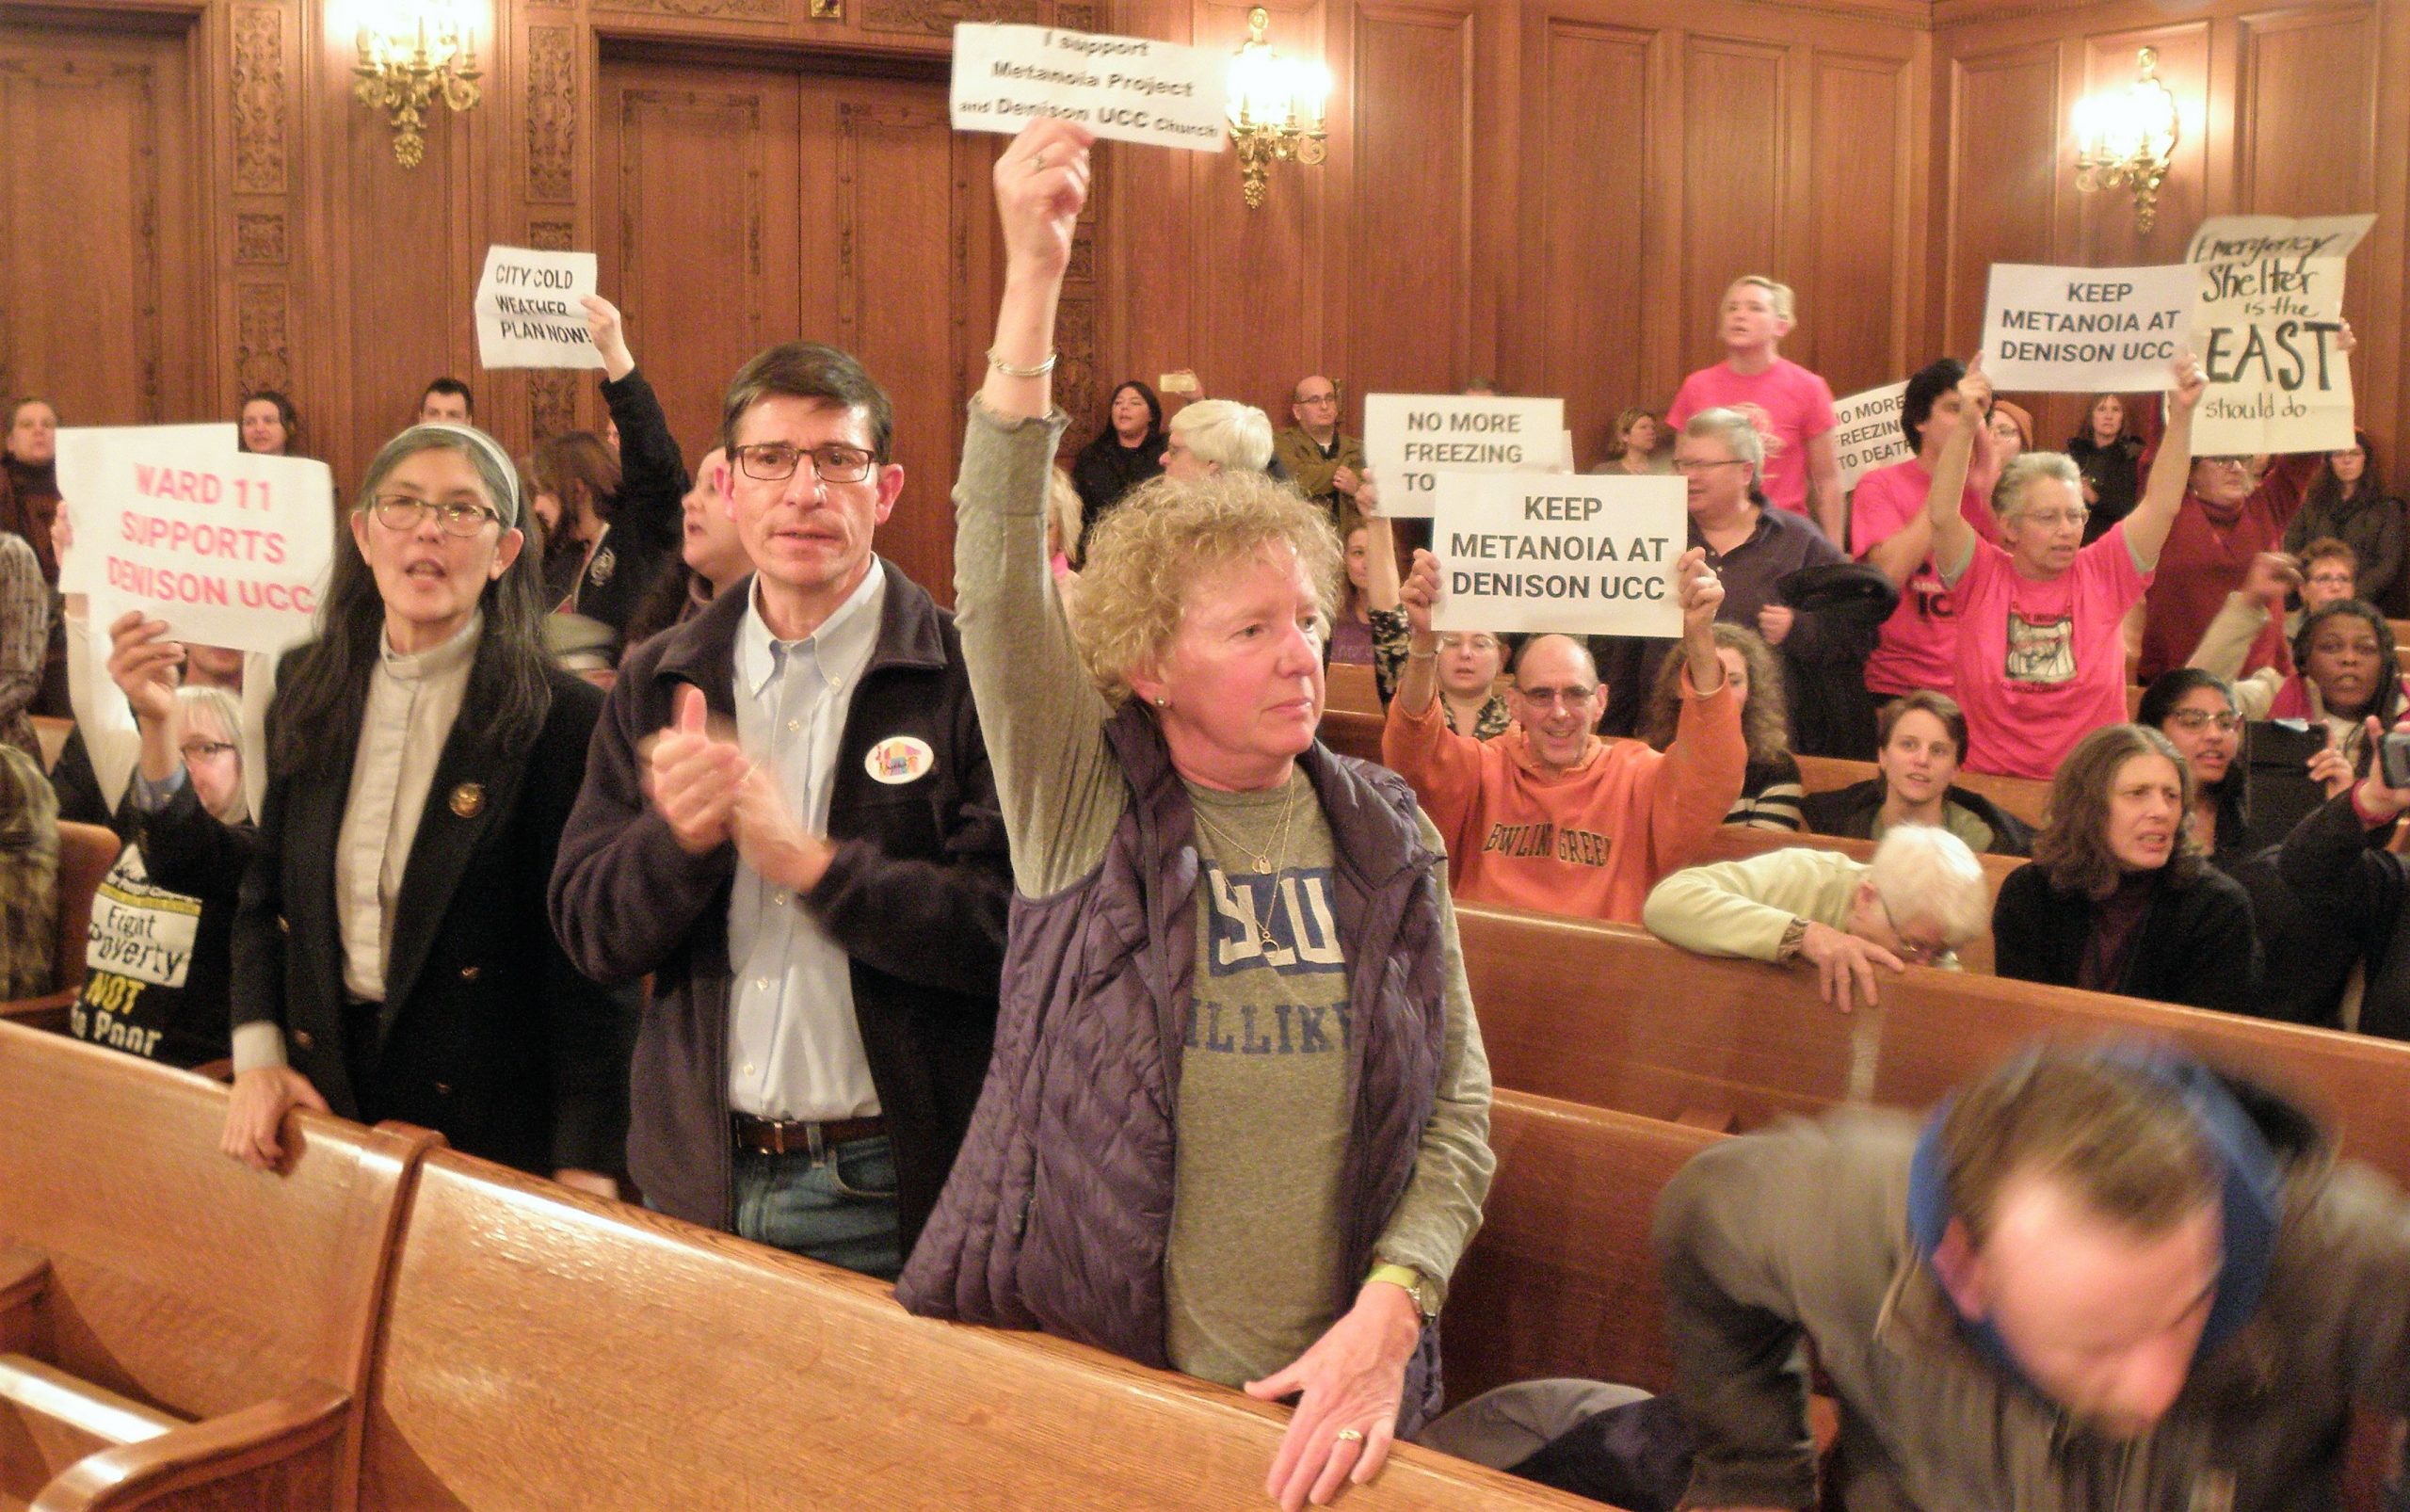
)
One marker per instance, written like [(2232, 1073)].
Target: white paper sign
[(2084, 330), (2269, 307), (228, 548), (527, 308), (80, 451), (1412, 440), (1125, 87), (1574, 555), (1867, 433)]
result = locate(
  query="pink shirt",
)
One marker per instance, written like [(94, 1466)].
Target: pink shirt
[(1919, 640), (1790, 406), (2042, 664)]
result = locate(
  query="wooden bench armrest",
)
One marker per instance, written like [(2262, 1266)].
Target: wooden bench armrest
[(48, 1012), (200, 1454)]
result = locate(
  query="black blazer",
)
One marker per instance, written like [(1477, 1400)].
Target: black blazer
[(2195, 946), (486, 1033)]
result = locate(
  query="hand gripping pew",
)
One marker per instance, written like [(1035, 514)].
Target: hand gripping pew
[(172, 1324), (540, 1349)]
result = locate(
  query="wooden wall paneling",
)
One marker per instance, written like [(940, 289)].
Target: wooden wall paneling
[(1858, 260), (2002, 192), (698, 175), (537, 201), (1737, 134), (98, 251), (2307, 128), (255, 129), (1590, 208), (1262, 301), (1407, 280)]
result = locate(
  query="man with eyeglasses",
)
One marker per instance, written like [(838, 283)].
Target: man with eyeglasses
[(1324, 464), (789, 821), (1549, 815)]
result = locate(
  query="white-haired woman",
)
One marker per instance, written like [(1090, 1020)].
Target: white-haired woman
[(1921, 898), (2041, 653), (1237, 1118), (1218, 436)]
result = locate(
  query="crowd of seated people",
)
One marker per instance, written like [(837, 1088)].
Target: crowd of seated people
[(651, 832)]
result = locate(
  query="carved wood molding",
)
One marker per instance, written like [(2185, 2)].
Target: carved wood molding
[(259, 100), (551, 114), (260, 238), (739, 10), (262, 358), (942, 16), (551, 235)]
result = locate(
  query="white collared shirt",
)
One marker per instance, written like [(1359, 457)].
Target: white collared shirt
[(795, 1050), (412, 703)]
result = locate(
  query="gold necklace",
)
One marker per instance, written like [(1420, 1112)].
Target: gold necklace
[(1263, 862)]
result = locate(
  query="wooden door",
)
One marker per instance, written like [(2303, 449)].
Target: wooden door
[(99, 245), (742, 207)]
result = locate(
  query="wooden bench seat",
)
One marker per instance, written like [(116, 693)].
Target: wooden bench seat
[(1611, 1015), (148, 1282), (1559, 1281), (540, 1349)]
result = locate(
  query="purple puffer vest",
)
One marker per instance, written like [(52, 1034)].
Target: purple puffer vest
[(1058, 1210)]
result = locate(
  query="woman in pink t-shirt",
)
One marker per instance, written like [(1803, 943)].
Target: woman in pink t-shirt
[(2040, 657)]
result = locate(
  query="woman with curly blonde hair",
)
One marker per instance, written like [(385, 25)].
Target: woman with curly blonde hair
[(1236, 1122), (1771, 792)]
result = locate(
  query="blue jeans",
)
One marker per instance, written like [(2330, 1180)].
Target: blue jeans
[(837, 1206)]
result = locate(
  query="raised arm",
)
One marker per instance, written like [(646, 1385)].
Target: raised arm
[(1953, 538), (2154, 516)]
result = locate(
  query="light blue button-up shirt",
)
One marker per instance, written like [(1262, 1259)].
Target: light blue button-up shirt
[(795, 1050)]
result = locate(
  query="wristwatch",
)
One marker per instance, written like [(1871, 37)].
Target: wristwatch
[(1794, 936), (1425, 1290)]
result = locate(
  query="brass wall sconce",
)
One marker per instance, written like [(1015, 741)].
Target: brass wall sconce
[(1277, 108), (2124, 138), (405, 70)]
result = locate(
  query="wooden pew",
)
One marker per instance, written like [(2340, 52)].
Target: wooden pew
[(1736, 843), (1559, 1281), (2022, 796), (173, 1323), (1611, 1015), (1350, 685), (540, 1349), (1353, 734)]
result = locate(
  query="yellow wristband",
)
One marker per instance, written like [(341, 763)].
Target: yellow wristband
[(1406, 1275)]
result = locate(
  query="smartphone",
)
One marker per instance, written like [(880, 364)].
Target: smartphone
[(2393, 758)]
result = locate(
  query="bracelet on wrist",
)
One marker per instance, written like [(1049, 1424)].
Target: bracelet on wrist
[(1008, 370)]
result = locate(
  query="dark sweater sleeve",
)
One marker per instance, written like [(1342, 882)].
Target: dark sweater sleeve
[(652, 474), (2216, 958), (624, 894), (188, 849), (589, 1073), (2339, 869), (2020, 928), (257, 989), (934, 922)]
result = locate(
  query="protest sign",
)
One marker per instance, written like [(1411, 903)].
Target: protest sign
[(1125, 87), (2269, 307), (1576, 556), (79, 452), (228, 548), (2084, 330), (527, 310), (1867, 433), (1413, 440)]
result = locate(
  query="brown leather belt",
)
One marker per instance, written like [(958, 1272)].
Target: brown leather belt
[(787, 1136)]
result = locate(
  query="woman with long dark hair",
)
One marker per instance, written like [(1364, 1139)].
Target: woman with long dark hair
[(2119, 897), (2195, 709), (1126, 452), (392, 957), (1770, 789), (2348, 499), (269, 425), (2110, 460)]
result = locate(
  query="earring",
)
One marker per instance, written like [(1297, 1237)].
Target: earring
[(1162, 701)]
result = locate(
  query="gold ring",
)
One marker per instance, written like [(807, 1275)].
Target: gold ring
[(1351, 1436)]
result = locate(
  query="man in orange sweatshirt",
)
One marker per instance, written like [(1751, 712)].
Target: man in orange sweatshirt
[(1550, 816)]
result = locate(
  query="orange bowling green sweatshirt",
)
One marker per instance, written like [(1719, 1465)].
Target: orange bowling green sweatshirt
[(1590, 842)]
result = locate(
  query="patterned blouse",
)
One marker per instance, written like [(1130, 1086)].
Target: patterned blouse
[(1389, 639)]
